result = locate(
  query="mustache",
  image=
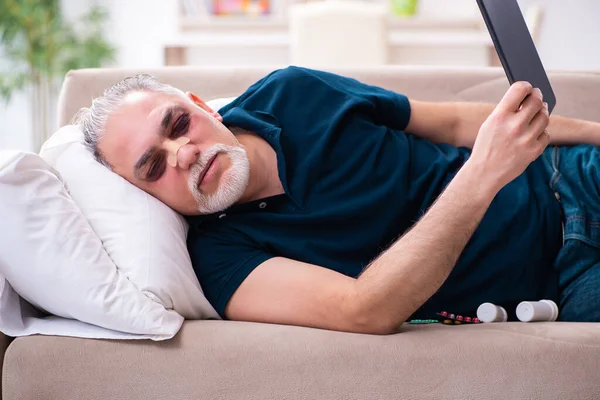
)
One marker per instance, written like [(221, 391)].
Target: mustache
[(203, 160), (198, 167), (230, 187), (200, 164)]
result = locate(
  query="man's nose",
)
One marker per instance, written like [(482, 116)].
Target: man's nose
[(187, 156)]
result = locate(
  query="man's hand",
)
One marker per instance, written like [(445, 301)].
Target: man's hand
[(513, 136)]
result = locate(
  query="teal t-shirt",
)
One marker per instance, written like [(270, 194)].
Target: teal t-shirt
[(354, 182)]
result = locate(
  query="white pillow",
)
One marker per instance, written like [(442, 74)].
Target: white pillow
[(52, 258), (216, 104), (145, 238)]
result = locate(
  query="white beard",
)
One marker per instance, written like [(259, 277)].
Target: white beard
[(233, 181)]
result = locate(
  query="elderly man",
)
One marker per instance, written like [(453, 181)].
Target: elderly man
[(317, 200)]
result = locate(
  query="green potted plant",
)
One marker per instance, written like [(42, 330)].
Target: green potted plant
[(405, 8), (42, 47)]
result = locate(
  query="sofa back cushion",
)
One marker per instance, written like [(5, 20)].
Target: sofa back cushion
[(578, 94)]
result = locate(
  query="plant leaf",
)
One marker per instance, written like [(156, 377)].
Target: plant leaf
[(35, 35), (13, 82)]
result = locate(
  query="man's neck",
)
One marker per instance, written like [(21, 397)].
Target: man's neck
[(264, 175)]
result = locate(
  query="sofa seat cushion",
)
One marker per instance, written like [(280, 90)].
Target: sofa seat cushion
[(238, 360)]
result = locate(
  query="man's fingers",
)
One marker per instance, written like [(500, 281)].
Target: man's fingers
[(515, 96), (539, 123), (543, 141), (532, 105)]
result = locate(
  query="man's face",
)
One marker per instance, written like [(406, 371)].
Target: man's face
[(142, 143)]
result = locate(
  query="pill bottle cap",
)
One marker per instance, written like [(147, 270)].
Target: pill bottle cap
[(488, 312), (554, 308)]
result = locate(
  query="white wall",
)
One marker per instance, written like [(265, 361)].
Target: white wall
[(15, 128), (569, 40), (570, 34), (139, 28)]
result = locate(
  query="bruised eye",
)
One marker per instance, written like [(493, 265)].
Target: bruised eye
[(181, 126), (157, 168)]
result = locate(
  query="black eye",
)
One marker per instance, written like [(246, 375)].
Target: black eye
[(157, 167), (181, 125)]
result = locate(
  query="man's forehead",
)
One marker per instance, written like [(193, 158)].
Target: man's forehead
[(148, 102), (133, 127), (139, 112), (139, 97)]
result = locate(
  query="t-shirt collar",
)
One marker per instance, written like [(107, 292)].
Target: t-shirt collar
[(266, 126)]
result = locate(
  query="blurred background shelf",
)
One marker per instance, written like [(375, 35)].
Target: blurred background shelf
[(189, 23), (432, 36), (225, 23)]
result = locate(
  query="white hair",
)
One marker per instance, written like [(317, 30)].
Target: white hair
[(92, 120)]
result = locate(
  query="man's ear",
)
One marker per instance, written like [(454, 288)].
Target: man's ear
[(200, 103)]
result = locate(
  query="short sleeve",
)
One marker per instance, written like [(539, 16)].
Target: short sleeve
[(222, 260), (388, 108), (297, 94)]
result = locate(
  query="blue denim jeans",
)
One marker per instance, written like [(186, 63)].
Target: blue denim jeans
[(575, 180)]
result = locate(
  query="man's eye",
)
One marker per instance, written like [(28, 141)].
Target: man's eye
[(180, 127), (156, 170)]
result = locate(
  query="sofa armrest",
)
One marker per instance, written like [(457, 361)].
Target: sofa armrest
[(4, 343)]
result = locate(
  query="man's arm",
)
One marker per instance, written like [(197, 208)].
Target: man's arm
[(403, 277), (457, 123), (393, 287)]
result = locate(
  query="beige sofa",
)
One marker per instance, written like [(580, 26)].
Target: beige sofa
[(234, 360)]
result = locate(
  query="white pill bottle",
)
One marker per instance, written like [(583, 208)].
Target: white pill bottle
[(531, 311)]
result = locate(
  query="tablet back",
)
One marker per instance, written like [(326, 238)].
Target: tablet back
[(515, 46)]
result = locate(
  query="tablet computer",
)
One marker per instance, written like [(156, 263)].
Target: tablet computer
[(514, 45)]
